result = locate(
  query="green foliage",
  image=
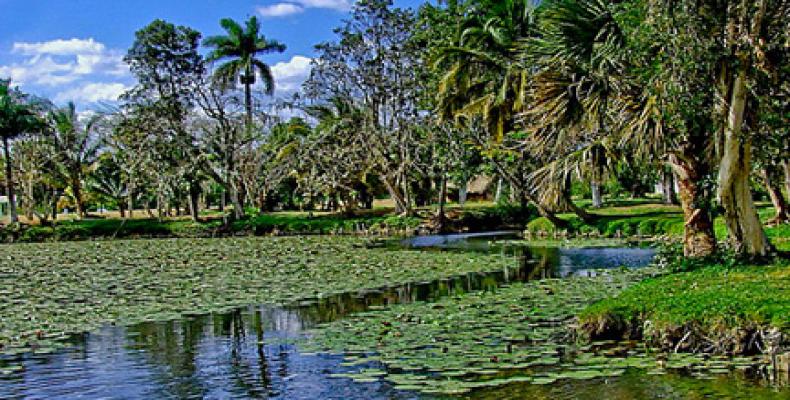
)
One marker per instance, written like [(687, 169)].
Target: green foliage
[(325, 224)]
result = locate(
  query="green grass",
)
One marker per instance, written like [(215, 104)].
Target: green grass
[(474, 217), (639, 217), (714, 301), (284, 222)]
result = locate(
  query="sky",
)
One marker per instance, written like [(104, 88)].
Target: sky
[(72, 50)]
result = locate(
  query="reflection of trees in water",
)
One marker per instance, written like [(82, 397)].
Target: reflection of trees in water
[(255, 384), (538, 263), (175, 345)]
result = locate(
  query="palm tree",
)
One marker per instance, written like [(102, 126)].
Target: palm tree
[(578, 59), (76, 149), (16, 119), (241, 47), (483, 79)]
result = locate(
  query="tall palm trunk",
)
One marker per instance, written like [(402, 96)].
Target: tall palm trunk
[(76, 189), (9, 181), (698, 236), (740, 214), (248, 81), (441, 218)]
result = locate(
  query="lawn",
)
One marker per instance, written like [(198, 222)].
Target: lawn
[(641, 217), (717, 306)]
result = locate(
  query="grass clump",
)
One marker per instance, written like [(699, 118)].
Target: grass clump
[(722, 307)]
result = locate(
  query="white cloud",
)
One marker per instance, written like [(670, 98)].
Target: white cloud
[(339, 5), (61, 61), (92, 93), (280, 10), (289, 76), (60, 47), (292, 7), (82, 70)]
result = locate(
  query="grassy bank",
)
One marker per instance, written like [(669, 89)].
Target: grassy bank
[(51, 290), (716, 308), (285, 223), (644, 218), (474, 217)]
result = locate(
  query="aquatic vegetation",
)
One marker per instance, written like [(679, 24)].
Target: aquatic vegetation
[(517, 334), (52, 290)]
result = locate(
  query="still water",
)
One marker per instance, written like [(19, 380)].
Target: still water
[(249, 353)]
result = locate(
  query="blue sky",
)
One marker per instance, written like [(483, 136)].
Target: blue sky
[(71, 50)]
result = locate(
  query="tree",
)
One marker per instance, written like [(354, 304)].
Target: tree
[(107, 181), (666, 85), (481, 84), (40, 183), (241, 47), (165, 60), (76, 148), (336, 162), (16, 119), (222, 139), (578, 60), (375, 63), (754, 39)]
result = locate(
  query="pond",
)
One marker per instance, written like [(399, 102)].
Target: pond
[(252, 352)]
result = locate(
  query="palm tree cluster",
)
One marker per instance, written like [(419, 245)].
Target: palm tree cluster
[(594, 88)]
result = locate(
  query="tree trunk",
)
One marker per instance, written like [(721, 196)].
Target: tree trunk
[(668, 187), (76, 189), (498, 195), (9, 182), (586, 217), (159, 210), (441, 218), (400, 204), (462, 192), (248, 99), (122, 209), (238, 209), (777, 198), (744, 226), (597, 198), (223, 205), (148, 209), (194, 201), (130, 201), (786, 167), (558, 222), (54, 205), (698, 237)]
